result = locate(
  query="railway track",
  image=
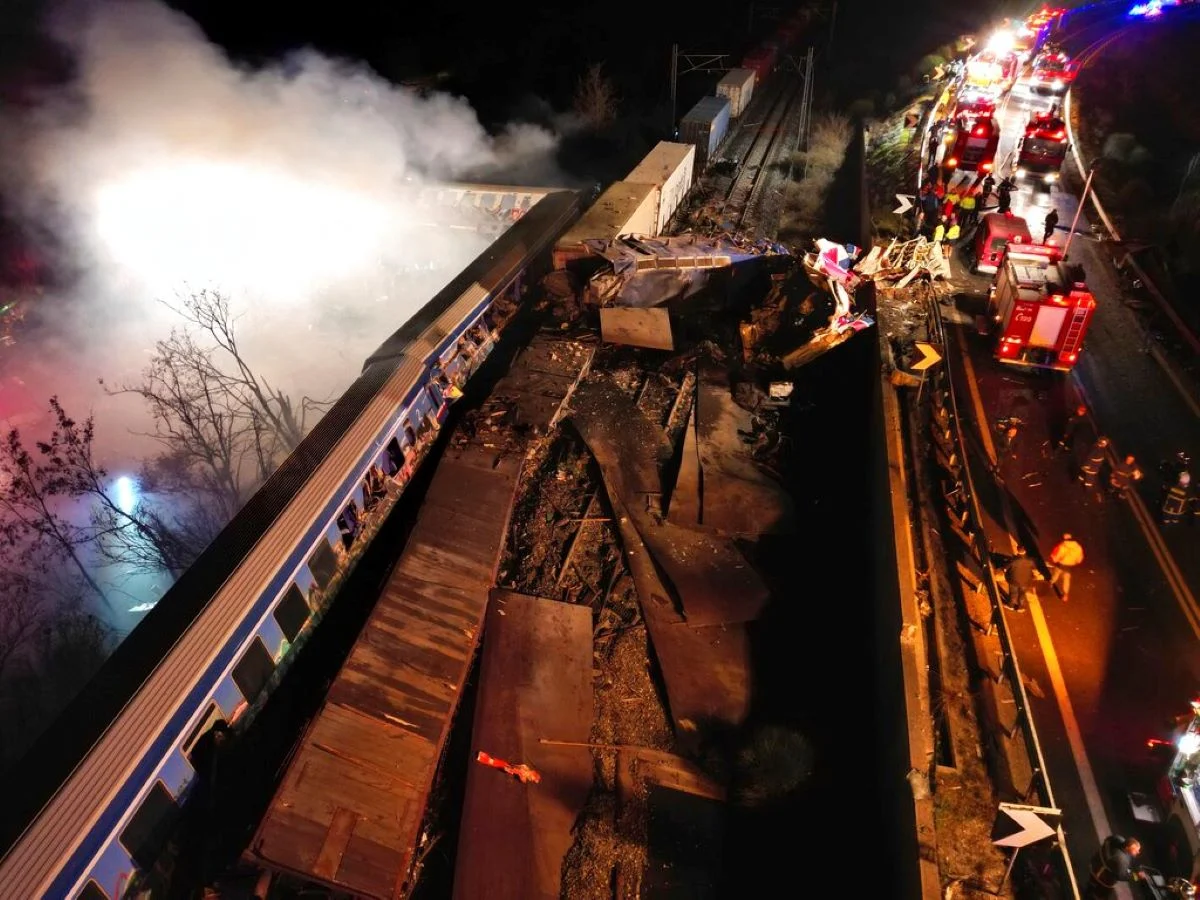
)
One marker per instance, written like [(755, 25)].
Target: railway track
[(747, 184)]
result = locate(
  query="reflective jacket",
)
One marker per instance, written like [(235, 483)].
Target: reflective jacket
[(1067, 553)]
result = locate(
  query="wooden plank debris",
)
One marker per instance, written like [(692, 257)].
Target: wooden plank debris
[(535, 680)]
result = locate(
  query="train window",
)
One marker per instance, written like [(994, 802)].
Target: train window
[(292, 612), (147, 831), (92, 891), (394, 458), (322, 563), (210, 715), (253, 670)]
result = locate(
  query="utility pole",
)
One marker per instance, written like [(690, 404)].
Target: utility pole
[(674, 75), (1087, 187), (832, 23)]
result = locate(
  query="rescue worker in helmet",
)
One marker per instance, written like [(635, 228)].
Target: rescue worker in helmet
[(1177, 501)]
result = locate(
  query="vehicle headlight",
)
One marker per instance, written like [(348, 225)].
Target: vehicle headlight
[(1052, 176), (1020, 173)]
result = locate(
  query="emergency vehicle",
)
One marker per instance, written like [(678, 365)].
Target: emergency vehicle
[(991, 72), (1041, 308), (974, 102), (971, 144), (995, 232), (1052, 74), (1042, 148)]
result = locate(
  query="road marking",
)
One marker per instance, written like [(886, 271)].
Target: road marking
[(1087, 777)]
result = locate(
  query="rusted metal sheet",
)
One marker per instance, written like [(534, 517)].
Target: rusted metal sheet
[(738, 498), (535, 682), (706, 669), (349, 811), (713, 581), (636, 327), (684, 506)]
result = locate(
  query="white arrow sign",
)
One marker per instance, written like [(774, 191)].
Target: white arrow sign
[(1019, 826), (906, 203)]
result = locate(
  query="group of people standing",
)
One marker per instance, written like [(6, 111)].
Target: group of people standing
[(946, 212)]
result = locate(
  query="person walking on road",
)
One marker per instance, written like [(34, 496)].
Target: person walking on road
[(1123, 474), (1006, 442), (1021, 577), (1177, 501), (1004, 193), (1051, 224), (1114, 863), (1072, 428), (1092, 463), (1066, 555)]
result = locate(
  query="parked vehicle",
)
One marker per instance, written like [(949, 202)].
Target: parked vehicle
[(995, 232), (1041, 308)]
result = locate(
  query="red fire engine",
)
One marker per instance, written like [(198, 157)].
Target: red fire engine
[(1052, 74), (991, 72), (1042, 308), (973, 145), (1042, 148)]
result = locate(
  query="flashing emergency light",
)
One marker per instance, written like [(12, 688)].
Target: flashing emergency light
[(126, 491), (1003, 40), (980, 131), (1189, 743), (987, 167), (952, 162)]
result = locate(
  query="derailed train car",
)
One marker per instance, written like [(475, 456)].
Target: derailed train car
[(89, 809)]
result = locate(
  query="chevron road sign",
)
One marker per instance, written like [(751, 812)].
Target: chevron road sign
[(1019, 826), (931, 355), (906, 203)]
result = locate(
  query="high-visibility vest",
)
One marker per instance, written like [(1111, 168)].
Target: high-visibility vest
[(967, 202), (952, 232), (939, 232)]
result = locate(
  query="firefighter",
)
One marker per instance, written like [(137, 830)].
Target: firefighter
[(1122, 475), (1051, 224), (952, 235), (1075, 423), (1178, 498), (1004, 193), (939, 230), (1064, 557), (1092, 463)]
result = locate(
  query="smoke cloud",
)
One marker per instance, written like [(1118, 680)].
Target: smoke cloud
[(166, 168)]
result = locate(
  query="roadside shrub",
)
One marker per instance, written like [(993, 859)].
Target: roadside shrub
[(863, 108), (1119, 146), (928, 63)]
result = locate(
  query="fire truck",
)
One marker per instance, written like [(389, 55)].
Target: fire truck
[(990, 72), (971, 144), (1042, 148), (1052, 74), (1041, 308)]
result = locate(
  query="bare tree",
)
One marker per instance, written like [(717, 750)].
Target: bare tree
[(22, 604), (596, 100), (225, 427), (31, 521), (140, 537)]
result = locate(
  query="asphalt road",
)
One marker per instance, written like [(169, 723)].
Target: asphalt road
[(1106, 670)]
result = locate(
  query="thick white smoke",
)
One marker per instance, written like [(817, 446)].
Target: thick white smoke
[(169, 168)]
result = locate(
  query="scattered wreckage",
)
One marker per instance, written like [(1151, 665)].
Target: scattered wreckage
[(640, 284), (898, 264)]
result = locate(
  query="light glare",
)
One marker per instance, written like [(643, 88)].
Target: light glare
[(206, 222)]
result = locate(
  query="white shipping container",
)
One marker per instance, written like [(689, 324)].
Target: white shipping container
[(672, 167), (624, 209), (738, 87)]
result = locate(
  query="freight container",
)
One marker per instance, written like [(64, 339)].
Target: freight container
[(624, 208), (737, 87), (671, 168), (705, 127)]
